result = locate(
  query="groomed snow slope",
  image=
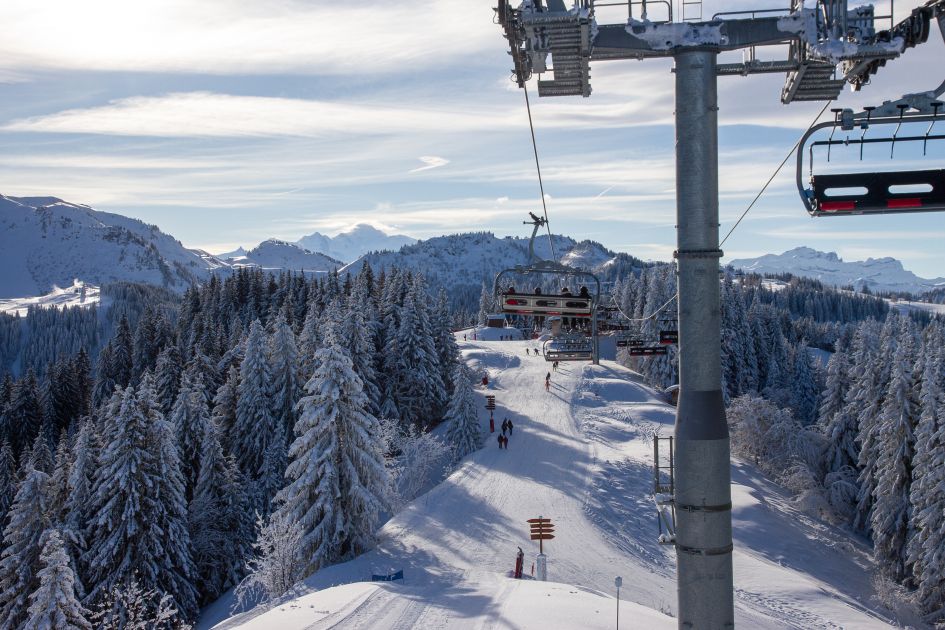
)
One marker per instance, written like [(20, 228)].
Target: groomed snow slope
[(581, 455)]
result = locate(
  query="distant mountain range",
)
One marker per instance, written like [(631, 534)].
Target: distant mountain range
[(46, 242), (879, 274)]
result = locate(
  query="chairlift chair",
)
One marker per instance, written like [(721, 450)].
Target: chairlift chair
[(568, 348), (878, 192), (575, 307)]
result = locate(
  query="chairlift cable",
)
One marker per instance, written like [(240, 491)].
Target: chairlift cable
[(775, 174), (651, 315), (541, 186)]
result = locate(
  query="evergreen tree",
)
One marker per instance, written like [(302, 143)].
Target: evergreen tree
[(121, 363), (257, 442), (926, 548), (354, 333), (870, 382), (138, 527), (8, 480), (309, 342), (190, 418), (832, 399), (19, 562), (220, 527), (167, 375), (804, 397), (337, 483), (54, 606), (443, 339), (486, 302), (284, 368), (418, 386), (24, 414), (895, 445), (224, 408), (464, 433)]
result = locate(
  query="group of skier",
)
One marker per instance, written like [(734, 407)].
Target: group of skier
[(503, 440)]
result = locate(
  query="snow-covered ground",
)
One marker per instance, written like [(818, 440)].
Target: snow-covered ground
[(904, 306), (79, 294), (581, 455)]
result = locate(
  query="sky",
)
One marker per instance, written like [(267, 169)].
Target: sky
[(226, 122)]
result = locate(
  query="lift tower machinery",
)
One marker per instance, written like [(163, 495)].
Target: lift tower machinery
[(828, 45)]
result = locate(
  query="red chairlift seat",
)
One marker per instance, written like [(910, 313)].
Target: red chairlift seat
[(878, 193), (526, 304)]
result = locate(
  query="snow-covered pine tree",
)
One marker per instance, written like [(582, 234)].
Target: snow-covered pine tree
[(257, 442), (486, 302), (190, 417), (419, 390), (121, 361), (464, 433), (804, 393), (85, 452), (927, 494), (138, 523), (355, 334), (284, 369), (8, 480), (19, 561), (443, 339), (219, 520), (167, 377), (24, 413), (895, 448), (104, 385), (40, 457), (837, 385), (871, 382), (224, 408), (54, 605), (309, 342), (337, 483)]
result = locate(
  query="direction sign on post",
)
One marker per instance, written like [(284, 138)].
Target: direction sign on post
[(541, 530), (490, 402)]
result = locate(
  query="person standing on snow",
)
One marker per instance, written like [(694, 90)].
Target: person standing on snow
[(501, 439), (509, 425), (505, 426)]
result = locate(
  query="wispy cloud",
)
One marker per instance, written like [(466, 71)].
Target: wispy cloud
[(430, 162), (236, 37)]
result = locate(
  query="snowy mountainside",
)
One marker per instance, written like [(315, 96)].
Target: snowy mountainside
[(879, 274), (46, 242), (476, 257), (581, 455), (276, 254), (354, 242)]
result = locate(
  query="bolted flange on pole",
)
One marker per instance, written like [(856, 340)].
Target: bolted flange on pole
[(702, 476)]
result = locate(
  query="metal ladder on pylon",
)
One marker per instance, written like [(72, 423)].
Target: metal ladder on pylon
[(664, 488)]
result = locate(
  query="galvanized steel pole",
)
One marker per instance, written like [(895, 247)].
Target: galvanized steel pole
[(703, 478)]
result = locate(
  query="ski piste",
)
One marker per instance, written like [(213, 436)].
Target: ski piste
[(584, 460)]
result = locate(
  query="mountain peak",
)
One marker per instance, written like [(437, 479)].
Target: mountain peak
[(879, 274), (354, 242)]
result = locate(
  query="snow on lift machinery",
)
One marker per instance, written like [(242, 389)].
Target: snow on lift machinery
[(878, 192), (566, 346)]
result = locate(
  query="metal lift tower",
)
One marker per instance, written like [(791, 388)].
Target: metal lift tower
[(828, 46)]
